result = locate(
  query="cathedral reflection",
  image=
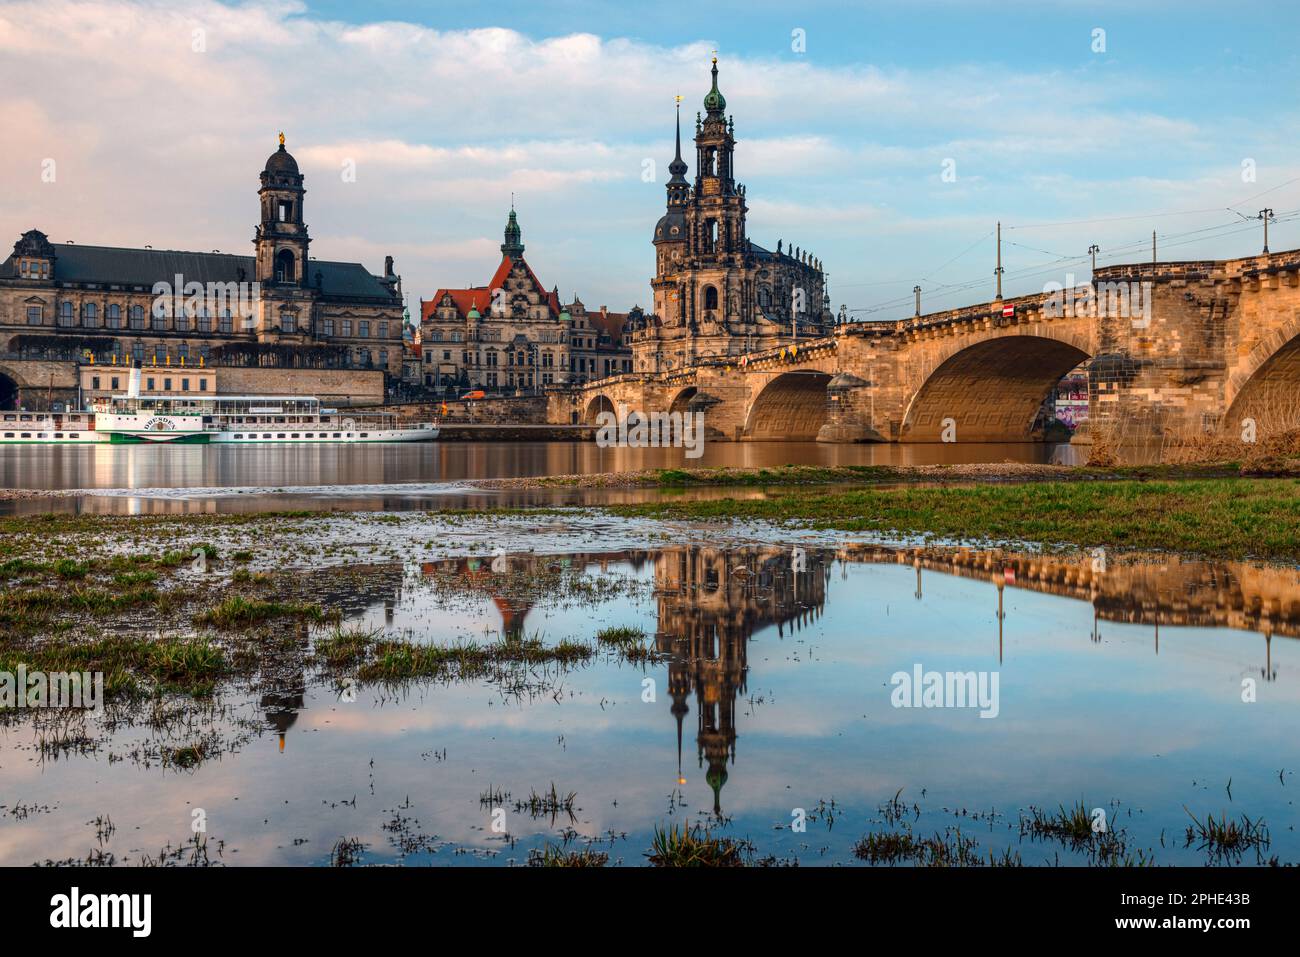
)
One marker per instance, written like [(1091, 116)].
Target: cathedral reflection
[(710, 603)]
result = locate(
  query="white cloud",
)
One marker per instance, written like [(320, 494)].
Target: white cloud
[(157, 143)]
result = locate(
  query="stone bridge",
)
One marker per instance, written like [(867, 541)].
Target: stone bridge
[(1174, 348)]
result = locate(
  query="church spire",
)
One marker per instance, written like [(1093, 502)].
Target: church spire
[(678, 166), (714, 101)]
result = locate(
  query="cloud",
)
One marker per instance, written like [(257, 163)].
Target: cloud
[(160, 117)]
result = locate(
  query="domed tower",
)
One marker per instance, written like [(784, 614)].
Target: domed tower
[(281, 238), (513, 247)]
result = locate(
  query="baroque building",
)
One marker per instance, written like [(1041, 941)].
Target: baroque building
[(513, 335), (717, 294), (279, 308)]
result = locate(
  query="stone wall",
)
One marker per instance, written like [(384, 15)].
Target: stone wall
[(335, 387)]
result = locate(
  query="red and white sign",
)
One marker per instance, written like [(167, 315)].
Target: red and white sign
[(1008, 311)]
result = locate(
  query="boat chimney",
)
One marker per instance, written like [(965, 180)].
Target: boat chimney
[(133, 383)]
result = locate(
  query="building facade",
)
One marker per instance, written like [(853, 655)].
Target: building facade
[(513, 335), (716, 293), (279, 308)]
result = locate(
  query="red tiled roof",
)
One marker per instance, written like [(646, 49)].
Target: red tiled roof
[(480, 297)]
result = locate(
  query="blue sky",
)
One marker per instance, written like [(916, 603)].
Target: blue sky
[(446, 109)]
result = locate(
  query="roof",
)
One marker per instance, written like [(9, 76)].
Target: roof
[(480, 297), (144, 267), (610, 324)]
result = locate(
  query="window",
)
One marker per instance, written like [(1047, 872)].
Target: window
[(285, 266), (136, 317), (182, 321), (327, 327), (183, 350), (137, 351), (225, 323), (167, 385), (117, 383), (34, 316), (113, 316), (383, 358), (67, 314), (347, 327), (203, 385), (710, 297), (185, 385), (285, 210), (288, 322), (383, 330), (363, 328), (149, 384), (94, 382), (158, 320), (90, 315)]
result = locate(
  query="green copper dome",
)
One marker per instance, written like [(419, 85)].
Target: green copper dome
[(565, 317), (714, 101)]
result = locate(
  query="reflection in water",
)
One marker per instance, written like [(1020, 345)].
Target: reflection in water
[(1121, 681), (308, 466)]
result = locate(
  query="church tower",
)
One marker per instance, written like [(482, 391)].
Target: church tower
[(671, 239), (281, 238), (281, 265), (716, 221)]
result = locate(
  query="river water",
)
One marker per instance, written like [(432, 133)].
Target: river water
[(1147, 691), (154, 478)]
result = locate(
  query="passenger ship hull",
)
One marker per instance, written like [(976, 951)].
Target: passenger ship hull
[(106, 428)]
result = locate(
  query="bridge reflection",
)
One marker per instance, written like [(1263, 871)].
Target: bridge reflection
[(710, 602)]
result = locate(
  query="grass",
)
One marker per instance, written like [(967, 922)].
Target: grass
[(695, 847), (1228, 836), (550, 856), (548, 803), (189, 666), (237, 611), (391, 661), (624, 635), (1073, 824), (1228, 518), (941, 850)]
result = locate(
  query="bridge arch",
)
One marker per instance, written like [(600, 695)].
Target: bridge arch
[(1266, 387), (792, 406), (682, 400), (990, 390), (598, 404), (11, 382)]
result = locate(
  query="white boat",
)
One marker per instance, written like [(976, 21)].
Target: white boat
[(216, 419)]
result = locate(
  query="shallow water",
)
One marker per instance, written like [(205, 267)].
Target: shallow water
[(1120, 685), (198, 468)]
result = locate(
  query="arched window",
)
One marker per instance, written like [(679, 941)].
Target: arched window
[(285, 266), (710, 297), (113, 317), (137, 317), (67, 316), (89, 315)]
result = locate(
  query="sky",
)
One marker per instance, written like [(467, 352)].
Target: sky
[(886, 139)]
